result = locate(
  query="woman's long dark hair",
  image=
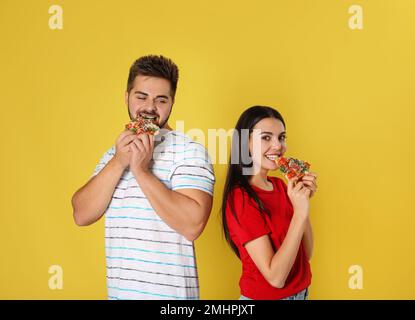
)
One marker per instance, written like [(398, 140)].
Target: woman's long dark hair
[(235, 177)]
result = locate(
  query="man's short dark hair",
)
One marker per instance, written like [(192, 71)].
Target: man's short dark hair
[(154, 66)]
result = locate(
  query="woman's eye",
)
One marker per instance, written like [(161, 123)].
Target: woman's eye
[(266, 138), (283, 138)]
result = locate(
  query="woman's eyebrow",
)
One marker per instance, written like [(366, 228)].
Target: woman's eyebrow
[(267, 132)]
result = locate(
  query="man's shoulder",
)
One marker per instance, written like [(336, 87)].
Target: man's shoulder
[(110, 152), (178, 138)]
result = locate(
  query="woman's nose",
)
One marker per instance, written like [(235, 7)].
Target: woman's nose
[(276, 144)]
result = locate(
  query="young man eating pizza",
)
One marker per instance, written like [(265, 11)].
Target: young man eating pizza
[(155, 189)]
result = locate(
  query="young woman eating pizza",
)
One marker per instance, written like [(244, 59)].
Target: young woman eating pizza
[(265, 221)]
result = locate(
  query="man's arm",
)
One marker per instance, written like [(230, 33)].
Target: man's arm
[(186, 211), (90, 202)]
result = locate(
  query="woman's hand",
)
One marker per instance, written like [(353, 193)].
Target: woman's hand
[(299, 195), (310, 181)]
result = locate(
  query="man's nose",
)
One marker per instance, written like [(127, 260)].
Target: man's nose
[(150, 106)]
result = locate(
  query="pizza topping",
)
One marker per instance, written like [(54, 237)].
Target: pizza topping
[(143, 124), (292, 167)]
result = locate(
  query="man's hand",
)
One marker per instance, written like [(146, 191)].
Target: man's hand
[(141, 148), (122, 149)]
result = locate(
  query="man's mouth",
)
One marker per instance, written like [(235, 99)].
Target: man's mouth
[(148, 116)]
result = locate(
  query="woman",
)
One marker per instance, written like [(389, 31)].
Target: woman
[(265, 221)]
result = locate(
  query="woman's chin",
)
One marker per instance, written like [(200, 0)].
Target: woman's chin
[(269, 165)]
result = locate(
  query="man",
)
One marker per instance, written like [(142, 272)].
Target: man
[(156, 193)]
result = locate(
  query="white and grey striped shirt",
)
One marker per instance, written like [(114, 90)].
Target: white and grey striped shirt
[(146, 259)]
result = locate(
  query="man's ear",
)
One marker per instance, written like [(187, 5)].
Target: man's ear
[(126, 98)]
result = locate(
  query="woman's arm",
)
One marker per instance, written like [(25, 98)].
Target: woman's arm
[(308, 239), (310, 181), (275, 266)]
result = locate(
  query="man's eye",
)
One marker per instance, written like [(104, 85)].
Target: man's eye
[(141, 98)]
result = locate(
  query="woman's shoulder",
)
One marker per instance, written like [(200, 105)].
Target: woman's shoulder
[(241, 205), (238, 192), (240, 198)]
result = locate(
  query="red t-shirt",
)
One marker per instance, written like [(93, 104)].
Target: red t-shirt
[(252, 225)]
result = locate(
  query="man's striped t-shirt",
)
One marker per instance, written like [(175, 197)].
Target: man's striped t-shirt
[(146, 259)]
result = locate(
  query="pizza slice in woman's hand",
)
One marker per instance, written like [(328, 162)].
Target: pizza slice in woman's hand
[(292, 167)]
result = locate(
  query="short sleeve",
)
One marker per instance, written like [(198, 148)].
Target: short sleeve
[(251, 222), (194, 170), (104, 160)]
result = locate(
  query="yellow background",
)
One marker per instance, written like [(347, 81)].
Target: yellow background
[(347, 96)]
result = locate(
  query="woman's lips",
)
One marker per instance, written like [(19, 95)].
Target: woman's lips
[(272, 157)]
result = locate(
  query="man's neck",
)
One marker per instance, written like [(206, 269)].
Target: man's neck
[(167, 127)]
